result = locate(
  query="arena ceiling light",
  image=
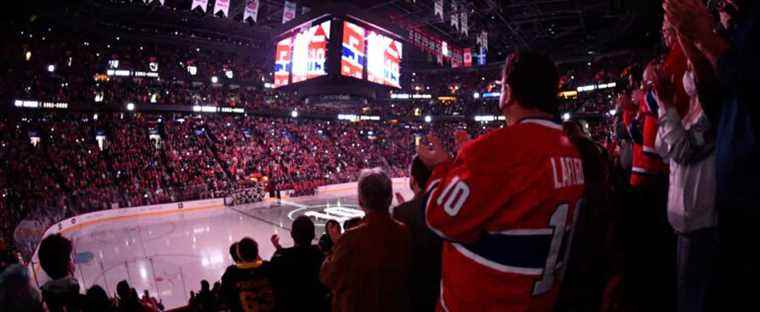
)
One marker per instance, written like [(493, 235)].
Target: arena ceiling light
[(130, 106), (566, 116), (214, 79), (428, 119), (51, 68), (294, 113)]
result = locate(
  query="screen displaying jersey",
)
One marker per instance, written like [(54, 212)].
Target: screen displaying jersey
[(310, 52), (352, 59), (383, 60), (282, 62)]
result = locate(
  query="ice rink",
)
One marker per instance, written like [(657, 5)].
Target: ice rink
[(170, 254)]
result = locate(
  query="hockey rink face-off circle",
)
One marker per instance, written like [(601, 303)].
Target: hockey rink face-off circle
[(169, 255)]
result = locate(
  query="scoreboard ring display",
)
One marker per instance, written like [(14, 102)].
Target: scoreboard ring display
[(365, 52)]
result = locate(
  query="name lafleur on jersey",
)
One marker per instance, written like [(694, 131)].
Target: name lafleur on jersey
[(567, 171)]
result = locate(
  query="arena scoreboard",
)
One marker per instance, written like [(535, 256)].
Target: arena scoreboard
[(338, 48)]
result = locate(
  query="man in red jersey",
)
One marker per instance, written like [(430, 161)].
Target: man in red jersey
[(506, 204)]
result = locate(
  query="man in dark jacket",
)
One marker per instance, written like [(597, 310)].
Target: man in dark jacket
[(295, 271), (425, 273), (368, 269)]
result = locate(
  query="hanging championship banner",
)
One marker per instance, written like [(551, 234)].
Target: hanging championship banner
[(464, 20), (251, 10), (438, 8), (288, 11), (199, 4), (482, 40), (222, 6), (454, 15), (467, 56), (482, 56)]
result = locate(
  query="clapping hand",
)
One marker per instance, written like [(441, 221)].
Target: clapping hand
[(275, 239), (690, 18), (433, 154)]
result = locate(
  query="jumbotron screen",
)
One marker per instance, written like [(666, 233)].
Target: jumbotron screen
[(368, 49), (302, 54)]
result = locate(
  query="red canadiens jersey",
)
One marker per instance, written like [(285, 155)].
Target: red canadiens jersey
[(647, 164), (506, 207)]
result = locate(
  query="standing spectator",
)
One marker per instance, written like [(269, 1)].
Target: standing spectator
[(369, 267), (352, 223), (204, 300), (234, 254), (247, 285), (149, 301), (595, 256), (736, 65), (16, 291), (97, 300), (506, 204), (128, 301), (61, 293), (425, 279), (689, 145), (295, 271), (332, 233)]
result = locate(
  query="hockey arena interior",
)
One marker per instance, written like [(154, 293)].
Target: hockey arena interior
[(390, 155)]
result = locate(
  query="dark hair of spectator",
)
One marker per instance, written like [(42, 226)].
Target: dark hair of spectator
[(55, 256), (330, 223), (351, 223), (248, 249), (420, 172), (123, 290), (375, 190), (303, 231), (233, 252), (533, 80), (97, 299)]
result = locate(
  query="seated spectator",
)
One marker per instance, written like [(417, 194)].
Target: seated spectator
[(331, 235), (295, 271), (247, 285), (96, 300), (61, 293), (425, 278), (369, 267)]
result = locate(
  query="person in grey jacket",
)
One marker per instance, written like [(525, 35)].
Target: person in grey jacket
[(688, 144)]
